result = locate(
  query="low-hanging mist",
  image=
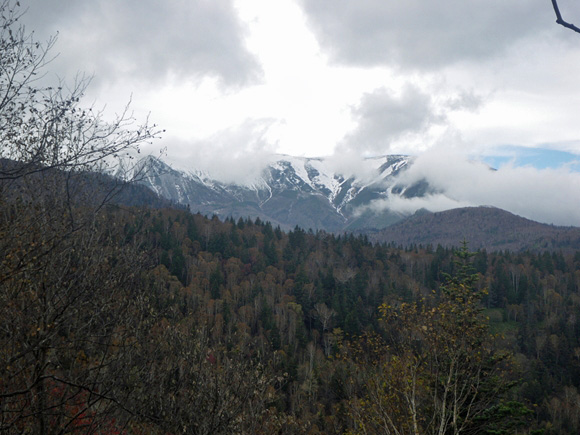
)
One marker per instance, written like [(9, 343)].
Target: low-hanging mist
[(548, 195)]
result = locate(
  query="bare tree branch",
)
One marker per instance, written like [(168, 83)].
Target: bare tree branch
[(559, 19)]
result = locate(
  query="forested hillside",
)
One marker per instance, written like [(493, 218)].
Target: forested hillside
[(303, 298), (171, 322), (117, 319), (485, 227)]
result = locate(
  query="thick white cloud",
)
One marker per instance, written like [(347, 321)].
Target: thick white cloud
[(238, 154), (236, 80), (545, 195), (518, 67)]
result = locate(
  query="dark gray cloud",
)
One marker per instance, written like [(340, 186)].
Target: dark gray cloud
[(147, 40), (423, 34), (384, 116), (465, 101)]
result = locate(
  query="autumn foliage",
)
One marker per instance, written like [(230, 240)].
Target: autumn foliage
[(124, 320)]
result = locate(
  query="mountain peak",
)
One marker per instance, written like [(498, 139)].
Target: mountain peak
[(311, 192)]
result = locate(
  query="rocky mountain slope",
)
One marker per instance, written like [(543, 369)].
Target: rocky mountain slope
[(309, 193), (289, 191)]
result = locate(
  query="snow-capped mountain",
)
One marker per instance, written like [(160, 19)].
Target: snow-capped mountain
[(289, 191)]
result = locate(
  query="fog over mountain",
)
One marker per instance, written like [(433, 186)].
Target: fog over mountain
[(549, 195), (233, 82), (349, 194), (302, 78), (287, 191)]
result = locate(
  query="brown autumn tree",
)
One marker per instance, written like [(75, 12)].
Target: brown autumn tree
[(68, 276), (437, 371), (190, 386)]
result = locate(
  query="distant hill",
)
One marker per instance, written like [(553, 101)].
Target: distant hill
[(97, 187), (482, 227)]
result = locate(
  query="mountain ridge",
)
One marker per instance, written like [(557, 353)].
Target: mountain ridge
[(308, 193), (289, 191)]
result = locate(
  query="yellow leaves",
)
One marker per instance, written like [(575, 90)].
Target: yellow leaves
[(81, 356)]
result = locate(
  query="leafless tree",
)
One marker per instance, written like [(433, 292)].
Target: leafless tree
[(68, 280), (195, 388), (324, 314), (45, 127)]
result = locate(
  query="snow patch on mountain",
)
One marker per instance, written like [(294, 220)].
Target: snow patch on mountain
[(305, 191)]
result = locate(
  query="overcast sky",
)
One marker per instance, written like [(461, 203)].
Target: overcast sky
[(489, 80)]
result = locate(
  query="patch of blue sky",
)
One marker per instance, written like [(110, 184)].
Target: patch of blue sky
[(540, 158)]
